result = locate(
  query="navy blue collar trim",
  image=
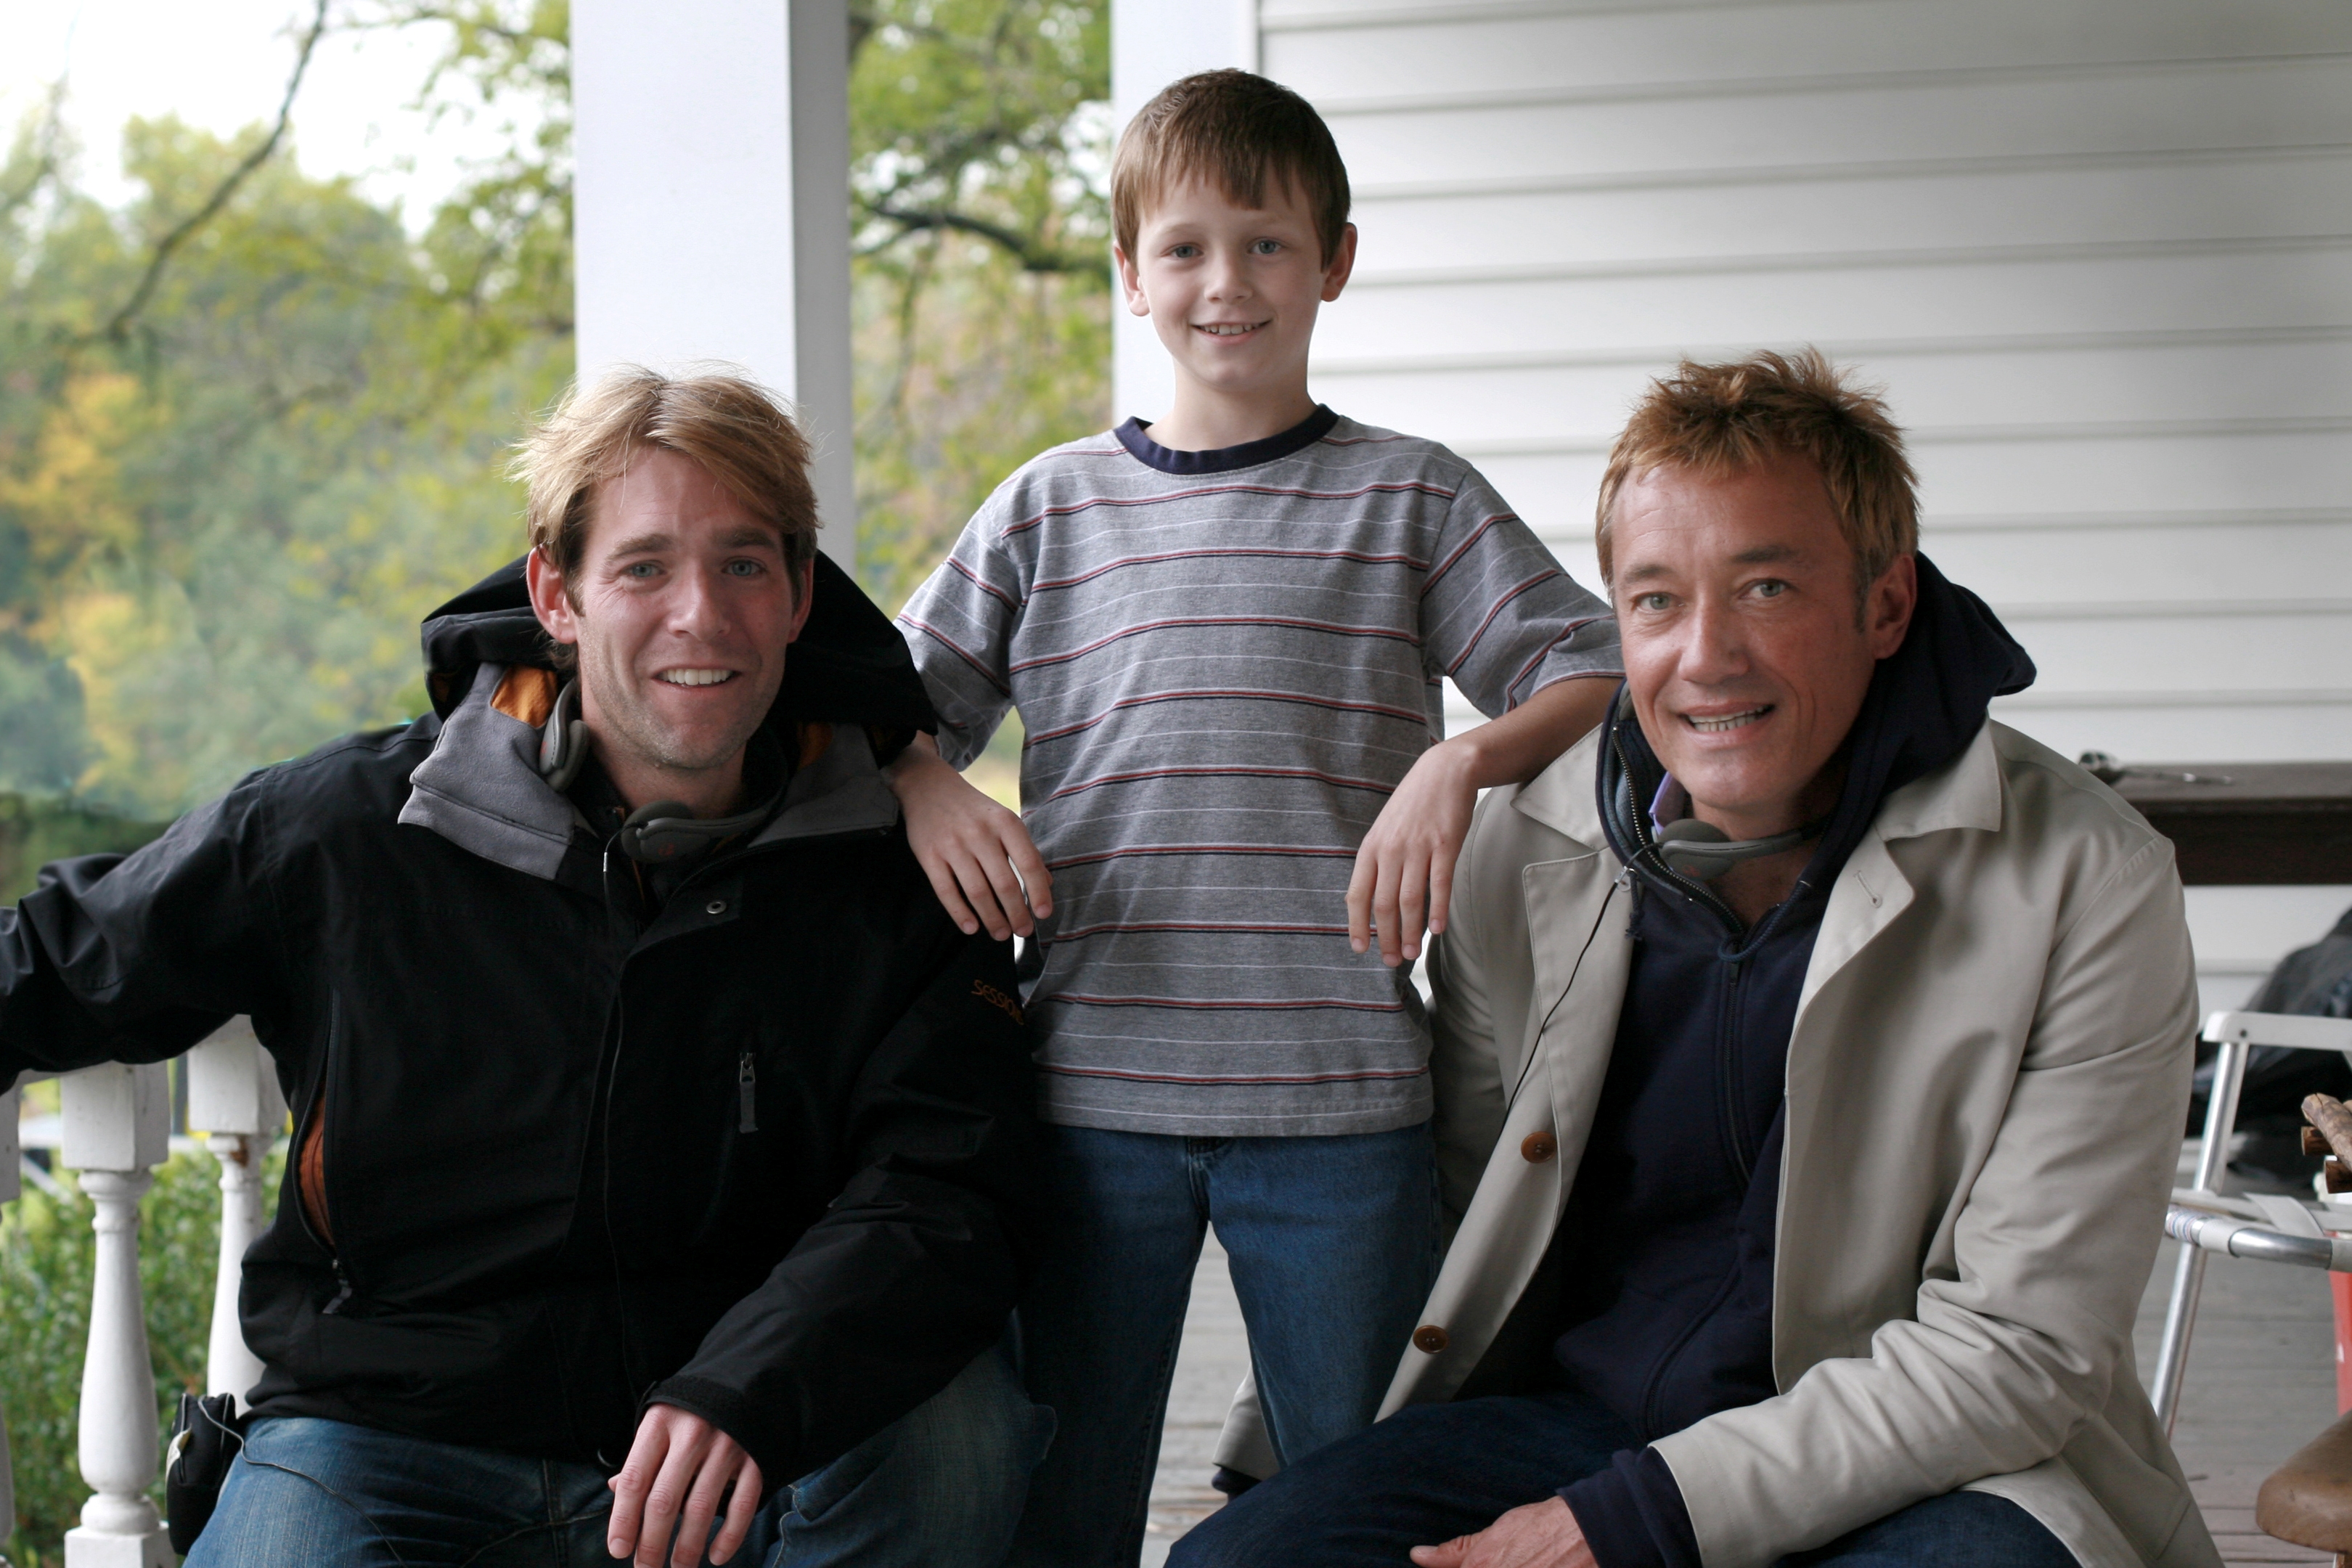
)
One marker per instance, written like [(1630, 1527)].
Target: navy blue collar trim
[(1225, 460)]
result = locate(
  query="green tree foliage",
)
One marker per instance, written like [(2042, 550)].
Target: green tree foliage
[(228, 511), (980, 146)]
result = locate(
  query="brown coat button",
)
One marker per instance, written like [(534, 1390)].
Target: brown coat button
[(1537, 1147), (1430, 1339)]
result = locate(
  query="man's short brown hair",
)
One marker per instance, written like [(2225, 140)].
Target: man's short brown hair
[(728, 427), (1230, 130), (1719, 419)]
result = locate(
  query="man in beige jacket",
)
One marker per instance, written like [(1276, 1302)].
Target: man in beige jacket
[(1812, 1059)]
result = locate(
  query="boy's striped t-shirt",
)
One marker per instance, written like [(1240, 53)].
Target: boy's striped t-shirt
[(1225, 662)]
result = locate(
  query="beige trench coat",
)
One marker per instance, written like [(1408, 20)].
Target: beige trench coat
[(1987, 1081)]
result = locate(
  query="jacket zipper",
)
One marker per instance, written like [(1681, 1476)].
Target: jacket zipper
[(747, 1083)]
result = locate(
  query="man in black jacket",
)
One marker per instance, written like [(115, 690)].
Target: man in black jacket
[(652, 1118)]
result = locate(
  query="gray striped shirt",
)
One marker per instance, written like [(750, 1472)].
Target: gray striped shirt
[(1226, 661)]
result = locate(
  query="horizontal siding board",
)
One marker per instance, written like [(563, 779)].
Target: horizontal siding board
[(2245, 196), (1566, 50), (2155, 109), (2281, 288), (2243, 474), (2241, 562), (2165, 382)]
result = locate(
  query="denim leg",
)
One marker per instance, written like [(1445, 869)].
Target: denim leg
[(939, 1488), (1098, 1334), (307, 1492), (1427, 1474), (1958, 1530), (1334, 1249)]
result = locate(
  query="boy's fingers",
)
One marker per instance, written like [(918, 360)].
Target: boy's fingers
[(1035, 878), (1359, 899), (741, 1509), (1440, 889), (1006, 887), (943, 886), (972, 877), (1385, 914), (1413, 887)]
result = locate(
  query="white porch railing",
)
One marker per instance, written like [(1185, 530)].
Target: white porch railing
[(117, 1131)]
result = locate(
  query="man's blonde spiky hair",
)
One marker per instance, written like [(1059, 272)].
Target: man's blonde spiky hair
[(1719, 419), (726, 424)]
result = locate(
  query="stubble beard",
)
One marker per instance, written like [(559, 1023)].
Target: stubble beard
[(635, 728)]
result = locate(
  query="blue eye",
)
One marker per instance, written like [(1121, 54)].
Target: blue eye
[(640, 570), (1266, 246), (742, 568), (1770, 588)]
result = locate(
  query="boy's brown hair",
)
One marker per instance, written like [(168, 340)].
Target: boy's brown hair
[(726, 424), (1719, 419), (1229, 129)]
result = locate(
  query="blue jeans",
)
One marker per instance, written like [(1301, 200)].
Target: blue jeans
[(942, 1486), (1431, 1472), (1334, 1246)]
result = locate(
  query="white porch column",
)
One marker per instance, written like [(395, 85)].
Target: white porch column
[(1152, 42), (11, 1186), (711, 209), (118, 1127), (233, 1096)]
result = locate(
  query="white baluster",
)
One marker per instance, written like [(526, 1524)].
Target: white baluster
[(11, 1188), (118, 1125), (233, 1095)]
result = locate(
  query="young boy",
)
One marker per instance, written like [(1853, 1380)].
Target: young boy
[(1226, 633)]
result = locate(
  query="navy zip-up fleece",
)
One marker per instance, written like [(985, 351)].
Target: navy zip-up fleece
[(1669, 1233)]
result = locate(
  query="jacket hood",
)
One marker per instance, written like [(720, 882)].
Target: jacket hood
[(850, 701), (849, 665), (1927, 702)]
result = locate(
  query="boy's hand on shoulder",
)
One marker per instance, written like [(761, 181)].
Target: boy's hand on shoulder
[(976, 854), (1404, 872)]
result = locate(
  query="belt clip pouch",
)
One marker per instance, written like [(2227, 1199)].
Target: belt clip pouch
[(206, 1436)]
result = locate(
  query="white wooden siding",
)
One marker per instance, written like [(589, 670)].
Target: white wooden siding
[(2099, 251)]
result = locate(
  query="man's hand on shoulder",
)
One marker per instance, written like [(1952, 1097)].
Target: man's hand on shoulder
[(679, 1471), (1540, 1535), (976, 854)]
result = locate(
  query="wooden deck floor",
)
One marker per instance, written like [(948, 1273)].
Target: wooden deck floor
[(2260, 1383)]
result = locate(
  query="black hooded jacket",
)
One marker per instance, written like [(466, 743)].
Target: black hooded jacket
[(1667, 1243), (762, 1150)]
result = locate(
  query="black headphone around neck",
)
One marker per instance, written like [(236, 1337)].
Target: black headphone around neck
[(654, 833), (664, 830), (1702, 851)]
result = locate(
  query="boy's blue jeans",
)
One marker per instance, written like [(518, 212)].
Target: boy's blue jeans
[(942, 1486), (1333, 1242)]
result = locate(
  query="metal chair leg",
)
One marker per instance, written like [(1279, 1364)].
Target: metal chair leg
[(2188, 1275)]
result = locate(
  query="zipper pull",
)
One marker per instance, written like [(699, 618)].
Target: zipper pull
[(747, 1082), (343, 1294)]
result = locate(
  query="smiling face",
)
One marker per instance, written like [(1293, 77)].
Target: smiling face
[(1233, 292), (682, 610), (1745, 656)]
